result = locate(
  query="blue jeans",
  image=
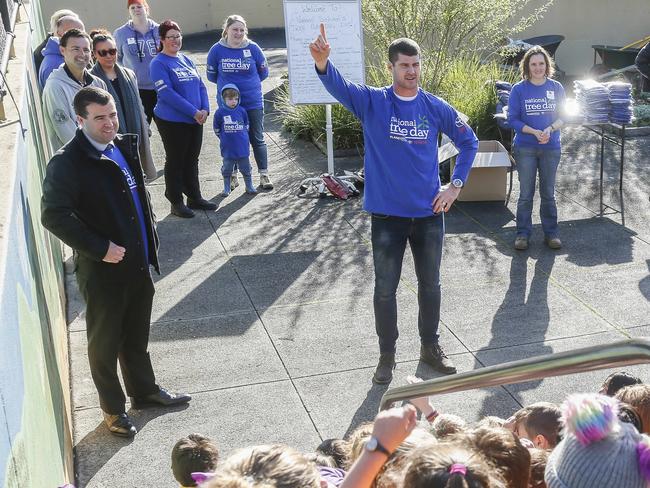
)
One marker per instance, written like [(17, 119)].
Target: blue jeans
[(530, 161), (256, 136), (229, 165), (389, 237)]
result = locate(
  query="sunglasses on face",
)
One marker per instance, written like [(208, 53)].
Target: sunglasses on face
[(107, 52)]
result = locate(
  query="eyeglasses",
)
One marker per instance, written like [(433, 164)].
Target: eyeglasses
[(174, 38), (107, 52)]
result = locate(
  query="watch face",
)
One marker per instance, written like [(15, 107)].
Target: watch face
[(458, 183), (371, 445)]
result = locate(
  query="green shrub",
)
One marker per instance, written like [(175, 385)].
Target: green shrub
[(642, 115), (308, 121), (468, 85), (458, 40)]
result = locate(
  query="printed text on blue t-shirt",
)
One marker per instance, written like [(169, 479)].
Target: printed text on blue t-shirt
[(230, 125), (538, 106), (410, 131), (232, 65)]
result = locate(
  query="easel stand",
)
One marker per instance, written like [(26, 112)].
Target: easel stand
[(349, 179)]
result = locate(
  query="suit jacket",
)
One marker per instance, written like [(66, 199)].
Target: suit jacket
[(87, 203)]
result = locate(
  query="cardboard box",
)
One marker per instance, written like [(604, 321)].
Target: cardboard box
[(488, 178)]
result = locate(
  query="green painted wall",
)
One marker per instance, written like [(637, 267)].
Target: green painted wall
[(35, 413)]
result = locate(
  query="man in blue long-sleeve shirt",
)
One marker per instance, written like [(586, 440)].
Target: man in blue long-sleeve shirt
[(403, 194)]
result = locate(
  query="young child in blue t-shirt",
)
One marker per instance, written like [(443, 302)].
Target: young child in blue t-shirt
[(231, 127)]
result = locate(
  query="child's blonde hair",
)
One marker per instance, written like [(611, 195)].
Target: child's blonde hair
[(269, 466), (230, 20)]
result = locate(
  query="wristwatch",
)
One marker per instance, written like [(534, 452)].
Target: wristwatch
[(457, 182), (373, 445)]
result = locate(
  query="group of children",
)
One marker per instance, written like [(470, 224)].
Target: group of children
[(591, 440)]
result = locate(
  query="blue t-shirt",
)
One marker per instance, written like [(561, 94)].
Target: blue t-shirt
[(231, 126), (536, 106), (181, 91), (401, 142), (244, 66), (114, 153)]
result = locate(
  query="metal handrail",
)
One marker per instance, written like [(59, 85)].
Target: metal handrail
[(592, 358)]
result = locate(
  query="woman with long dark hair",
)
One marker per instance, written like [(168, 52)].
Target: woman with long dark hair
[(122, 84)]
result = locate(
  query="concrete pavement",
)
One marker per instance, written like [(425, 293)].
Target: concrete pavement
[(263, 311)]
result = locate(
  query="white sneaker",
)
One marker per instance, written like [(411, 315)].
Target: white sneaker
[(234, 181), (265, 182)]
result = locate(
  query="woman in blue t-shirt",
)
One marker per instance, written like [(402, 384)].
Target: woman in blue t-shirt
[(533, 112), (238, 60), (180, 112)]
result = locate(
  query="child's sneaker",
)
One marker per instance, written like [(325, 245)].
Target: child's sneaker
[(265, 182), (224, 193), (251, 191), (234, 181)]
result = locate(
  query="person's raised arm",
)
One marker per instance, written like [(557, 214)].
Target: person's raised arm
[(320, 50), (390, 429), (354, 96)]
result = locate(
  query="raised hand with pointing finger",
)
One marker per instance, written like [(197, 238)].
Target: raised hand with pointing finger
[(320, 50)]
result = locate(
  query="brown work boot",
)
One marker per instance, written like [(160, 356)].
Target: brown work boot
[(384, 372), (434, 356)]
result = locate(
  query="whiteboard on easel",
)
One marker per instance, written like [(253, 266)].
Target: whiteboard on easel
[(342, 19)]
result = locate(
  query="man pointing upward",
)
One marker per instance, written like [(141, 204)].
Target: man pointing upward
[(403, 194)]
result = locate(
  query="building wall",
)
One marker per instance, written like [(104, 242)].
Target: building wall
[(35, 413), (582, 22), (587, 22), (193, 15)]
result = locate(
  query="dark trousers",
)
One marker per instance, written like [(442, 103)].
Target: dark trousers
[(182, 144), (149, 99), (389, 237), (118, 317)]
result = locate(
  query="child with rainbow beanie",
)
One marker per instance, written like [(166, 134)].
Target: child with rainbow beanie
[(597, 449), (231, 127)]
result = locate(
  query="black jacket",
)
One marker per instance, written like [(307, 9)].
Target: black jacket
[(87, 203), (643, 61)]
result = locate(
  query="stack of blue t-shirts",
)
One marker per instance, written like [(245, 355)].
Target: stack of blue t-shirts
[(620, 99), (593, 99)]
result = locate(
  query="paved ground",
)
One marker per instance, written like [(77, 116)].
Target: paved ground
[(263, 311)]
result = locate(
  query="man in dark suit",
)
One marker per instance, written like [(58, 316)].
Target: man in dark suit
[(95, 201)]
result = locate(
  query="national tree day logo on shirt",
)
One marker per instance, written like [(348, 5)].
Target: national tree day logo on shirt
[(235, 64), (410, 131), (537, 106)]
